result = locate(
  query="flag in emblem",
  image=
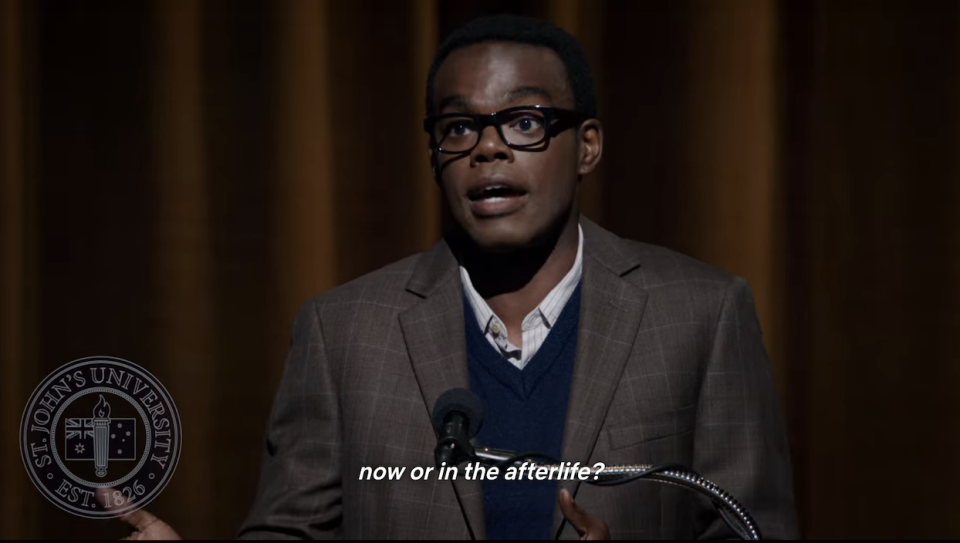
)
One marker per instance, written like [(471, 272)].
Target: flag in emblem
[(79, 443)]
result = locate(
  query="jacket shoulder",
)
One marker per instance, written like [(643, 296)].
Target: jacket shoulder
[(383, 286), (661, 267), (683, 288), (649, 266)]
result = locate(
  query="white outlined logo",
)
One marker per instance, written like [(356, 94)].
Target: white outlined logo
[(100, 437)]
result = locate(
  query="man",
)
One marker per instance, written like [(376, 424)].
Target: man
[(581, 345)]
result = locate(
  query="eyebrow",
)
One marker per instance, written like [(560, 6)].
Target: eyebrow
[(524, 92), (456, 100), (462, 102)]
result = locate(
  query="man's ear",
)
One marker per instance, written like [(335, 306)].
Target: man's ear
[(591, 146)]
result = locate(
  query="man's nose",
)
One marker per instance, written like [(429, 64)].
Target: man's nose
[(490, 147)]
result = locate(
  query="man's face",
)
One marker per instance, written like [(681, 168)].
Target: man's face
[(541, 186)]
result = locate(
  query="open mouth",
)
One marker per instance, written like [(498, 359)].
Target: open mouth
[(496, 199), (494, 193)]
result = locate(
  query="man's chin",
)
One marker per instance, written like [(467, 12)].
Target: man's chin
[(501, 238), (520, 232), (501, 245)]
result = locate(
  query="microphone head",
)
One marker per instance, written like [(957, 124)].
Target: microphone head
[(459, 400)]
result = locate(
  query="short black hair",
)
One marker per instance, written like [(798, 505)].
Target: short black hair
[(525, 30)]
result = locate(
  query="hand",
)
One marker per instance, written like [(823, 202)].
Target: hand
[(589, 528), (148, 527)]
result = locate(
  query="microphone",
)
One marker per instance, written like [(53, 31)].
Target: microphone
[(457, 417)]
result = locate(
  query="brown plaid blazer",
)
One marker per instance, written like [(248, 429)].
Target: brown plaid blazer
[(670, 368)]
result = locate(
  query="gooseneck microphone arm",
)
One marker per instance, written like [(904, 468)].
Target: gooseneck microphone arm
[(730, 510), (458, 415)]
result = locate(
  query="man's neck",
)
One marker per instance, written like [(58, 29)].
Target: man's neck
[(514, 284)]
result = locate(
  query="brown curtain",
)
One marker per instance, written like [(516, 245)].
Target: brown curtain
[(178, 176)]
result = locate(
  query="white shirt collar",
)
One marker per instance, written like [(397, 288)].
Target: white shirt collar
[(546, 312)]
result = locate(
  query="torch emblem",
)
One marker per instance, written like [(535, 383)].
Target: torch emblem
[(100, 438)]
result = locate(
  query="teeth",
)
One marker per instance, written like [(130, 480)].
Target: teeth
[(495, 192)]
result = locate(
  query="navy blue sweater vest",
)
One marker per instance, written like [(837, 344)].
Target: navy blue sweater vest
[(524, 411)]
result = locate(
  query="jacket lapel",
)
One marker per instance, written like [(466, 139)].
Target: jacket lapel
[(610, 314), (434, 333)]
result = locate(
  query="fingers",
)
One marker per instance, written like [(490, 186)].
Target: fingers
[(572, 512), (587, 526), (140, 519)]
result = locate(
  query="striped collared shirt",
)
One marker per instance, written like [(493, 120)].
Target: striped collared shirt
[(536, 325)]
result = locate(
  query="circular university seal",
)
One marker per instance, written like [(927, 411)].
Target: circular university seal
[(100, 437)]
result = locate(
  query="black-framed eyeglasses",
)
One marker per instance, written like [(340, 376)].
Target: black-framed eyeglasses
[(525, 128)]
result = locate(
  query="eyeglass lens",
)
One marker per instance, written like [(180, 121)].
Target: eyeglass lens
[(519, 128)]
